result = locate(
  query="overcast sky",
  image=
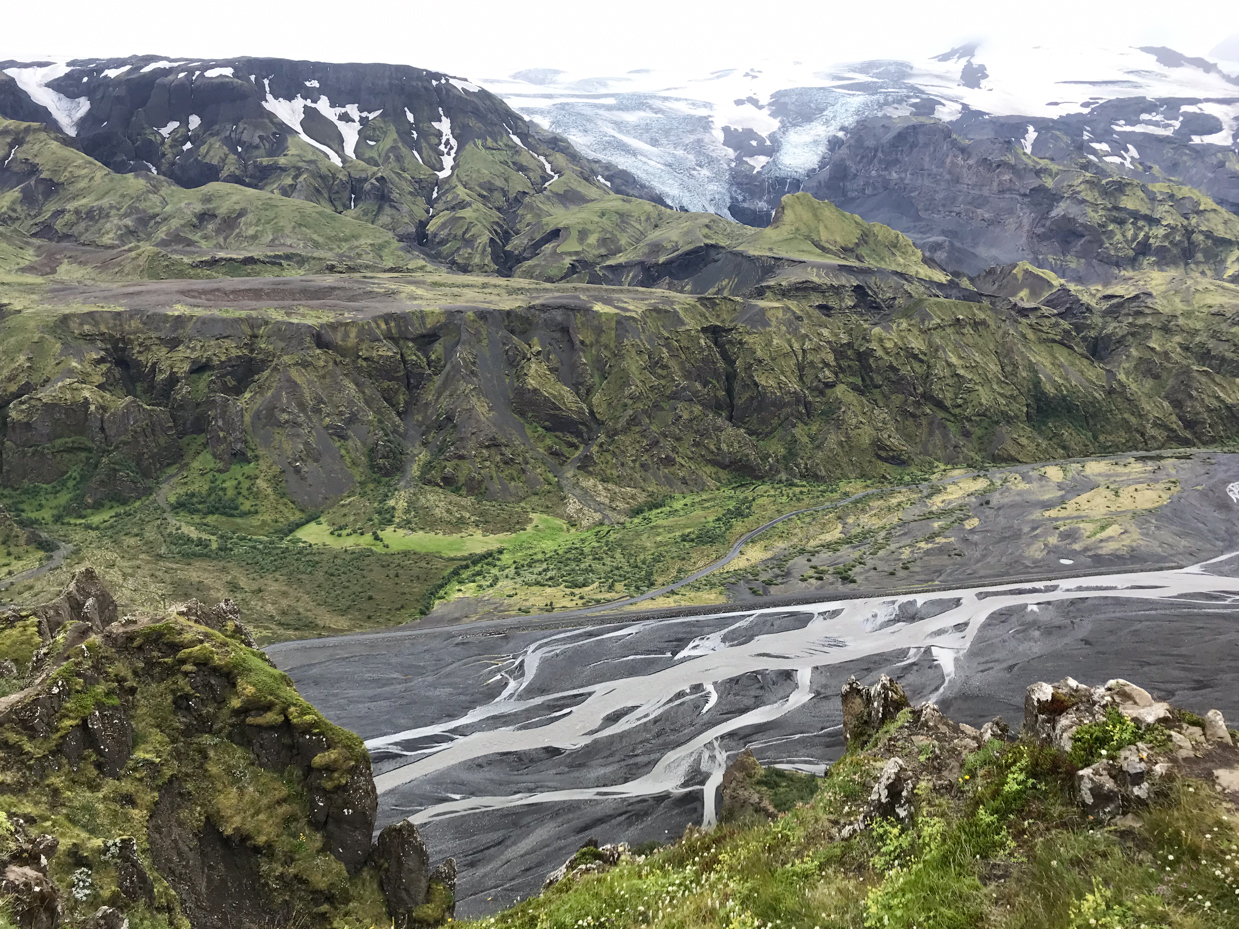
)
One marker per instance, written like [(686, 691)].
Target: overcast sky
[(485, 38)]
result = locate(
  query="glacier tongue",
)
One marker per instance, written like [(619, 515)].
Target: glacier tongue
[(707, 140)]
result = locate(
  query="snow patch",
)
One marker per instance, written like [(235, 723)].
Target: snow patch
[(1228, 113), (1066, 561), (1231, 489), (463, 85), (549, 170), (757, 161), (112, 73), (187, 146), (948, 112), (150, 167), (218, 72), (16, 147), (1029, 138), (161, 65), (292, 113), (67, 111), (194, 122), (311, 84), (1126, 158), (602, 180), (447, 144), (412, 123), (169, 129)]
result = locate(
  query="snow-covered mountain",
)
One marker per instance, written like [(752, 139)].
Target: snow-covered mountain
[(734, 140)]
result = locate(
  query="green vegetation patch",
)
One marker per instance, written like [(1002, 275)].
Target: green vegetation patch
[(1005, 847)]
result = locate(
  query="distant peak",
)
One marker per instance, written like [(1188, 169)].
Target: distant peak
[(538, 75), (1227, 49), (959, 53), (1169, 58)]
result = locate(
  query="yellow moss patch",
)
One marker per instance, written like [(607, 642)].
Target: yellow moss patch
[(1102, 501), (1126, 467), (956, 491), (707, 597)]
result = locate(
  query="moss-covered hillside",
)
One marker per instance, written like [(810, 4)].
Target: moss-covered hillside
[(1108, 810), (160, 768)]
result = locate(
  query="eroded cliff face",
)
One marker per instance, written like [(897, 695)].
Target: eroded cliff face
[(817, 373), (159, 767), (975, 203)]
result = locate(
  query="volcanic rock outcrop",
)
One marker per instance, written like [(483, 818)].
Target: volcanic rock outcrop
[(158, 765)]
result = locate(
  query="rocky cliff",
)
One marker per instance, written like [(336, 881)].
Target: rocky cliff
[(158, 769), (820, 373), (973, 203)]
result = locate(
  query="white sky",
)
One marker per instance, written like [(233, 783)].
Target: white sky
[(489, 38)]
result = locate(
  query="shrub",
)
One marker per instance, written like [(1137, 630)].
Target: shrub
[(1094, 741)]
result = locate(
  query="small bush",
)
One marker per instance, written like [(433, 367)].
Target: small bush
[(1094, 741)]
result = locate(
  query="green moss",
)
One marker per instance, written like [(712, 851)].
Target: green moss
[(158, 212), (786, 789), (439, 903), (217, 780), (19, 642), (816, 230)]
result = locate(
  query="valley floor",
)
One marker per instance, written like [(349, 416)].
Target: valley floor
[(510, 743), (384, 556)]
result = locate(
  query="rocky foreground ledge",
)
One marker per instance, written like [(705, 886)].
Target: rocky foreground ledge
[(1107, 809), (158, 770)]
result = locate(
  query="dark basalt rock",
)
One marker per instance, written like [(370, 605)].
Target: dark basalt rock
[(892, 794), (226, 430), (110, 734), (132, 879), (108, 917), (868, 709), (740, 795), (33, 898), (445, 877), (218, 882), (48, 428), (84, 600), (224, 617), (345, 814), (404, 870), (970, 198)]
